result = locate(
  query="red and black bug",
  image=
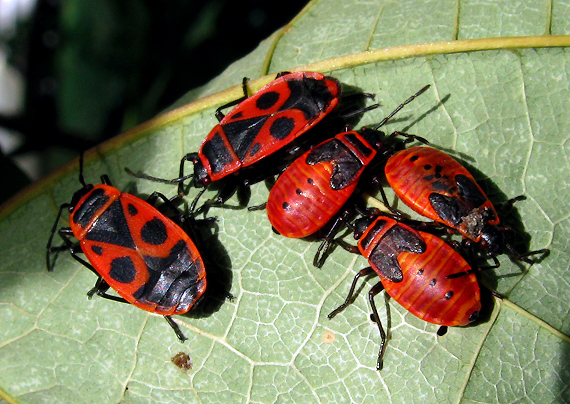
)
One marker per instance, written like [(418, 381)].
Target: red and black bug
[(258, 127), (438, 187), (413, 267), (133, 248), (313, 189)]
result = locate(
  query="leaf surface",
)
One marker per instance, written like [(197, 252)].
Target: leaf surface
[(498, 102)]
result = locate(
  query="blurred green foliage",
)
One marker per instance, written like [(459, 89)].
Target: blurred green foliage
[(93, 69)]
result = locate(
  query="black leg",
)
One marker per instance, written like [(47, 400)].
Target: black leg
[(176, 328), (325, 245), (373, 292), (524, 257), (363, 272), (441, 331), (191, 157), (49, 249), (227, 190), (106, 180), (100, 289), (376, 182), (258, 207), (219, 114)]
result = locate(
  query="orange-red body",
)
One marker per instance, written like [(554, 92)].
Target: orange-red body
[(140, 253), (436, 186), (316, 185), (267, 121), (423, 289)]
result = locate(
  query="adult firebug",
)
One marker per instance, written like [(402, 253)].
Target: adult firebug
[(258, 127), (413, 267), (435, 185), (133, 249), (313, 189)]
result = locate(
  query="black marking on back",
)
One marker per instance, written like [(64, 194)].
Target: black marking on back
[(286, 206), (414, 157), (308, 95), (241, 134), (378, 226), (385, 254), (254, 149), (171, 279), (123, 270), (448, 208), (267, 100), (84, 214), (355, 142), (97, 249), (442, 184), (346, 164), (217, 153), (448, 295), (238, 114), (469, 192), (112, 227), (154, 232)]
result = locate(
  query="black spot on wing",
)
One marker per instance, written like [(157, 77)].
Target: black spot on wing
[(84, 214), (154, 232), (385, 254), (112, 227), (123, 270), (132, 209), (267, 100), (97, 249), (282, 127)]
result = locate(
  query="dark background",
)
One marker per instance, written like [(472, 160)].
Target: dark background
[(93, 69)]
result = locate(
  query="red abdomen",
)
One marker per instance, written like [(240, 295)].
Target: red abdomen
[(302, 201), (436, 186)]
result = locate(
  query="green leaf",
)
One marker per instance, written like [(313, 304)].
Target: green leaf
[(498, 101)]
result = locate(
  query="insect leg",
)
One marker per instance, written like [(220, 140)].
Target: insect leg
[(49, 249), (219, 113), (373, 292), (176, 328), (349, 298)]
